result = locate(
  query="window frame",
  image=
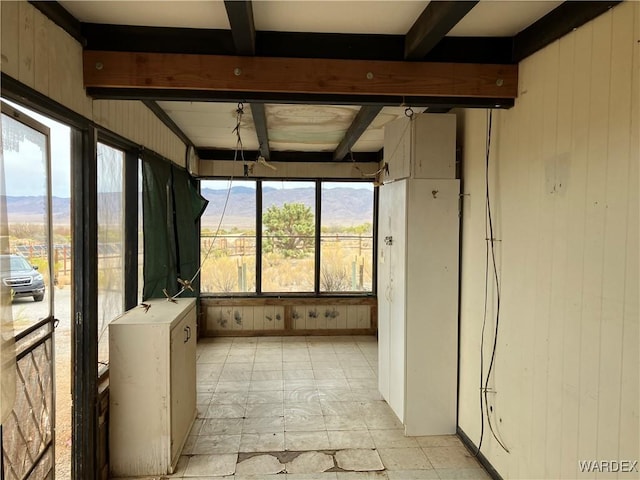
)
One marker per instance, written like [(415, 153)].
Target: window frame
[(130, 172), (317, 182), (130, 164)]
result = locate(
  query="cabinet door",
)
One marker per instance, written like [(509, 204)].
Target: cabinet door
[(391, 296), (433, 146), (397, 296), (384, 231), (183, 344), (432, 307), (397, 149)]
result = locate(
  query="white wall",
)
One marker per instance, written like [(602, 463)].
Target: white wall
[(44, 57), (260, 316), (346, 169), (564, 177)]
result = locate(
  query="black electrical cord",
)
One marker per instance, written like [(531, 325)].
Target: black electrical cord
[(486, 285), (490, 247), (239, 148)]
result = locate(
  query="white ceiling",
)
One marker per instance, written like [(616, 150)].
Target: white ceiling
[(501, 18), (183, 13), (393, 17), (383, 17), (212, 124), (299, 127), (304, 128)]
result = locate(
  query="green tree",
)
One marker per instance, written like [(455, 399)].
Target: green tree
[(288, 229)]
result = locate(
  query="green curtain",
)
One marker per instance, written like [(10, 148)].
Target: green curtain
[(171, 207)]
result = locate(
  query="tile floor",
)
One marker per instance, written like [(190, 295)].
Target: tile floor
[(299, 406)]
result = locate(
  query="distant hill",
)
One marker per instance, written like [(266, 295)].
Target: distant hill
[(341, 206), (30, 209)]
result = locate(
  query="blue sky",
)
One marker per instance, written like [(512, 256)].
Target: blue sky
[(22, 170)]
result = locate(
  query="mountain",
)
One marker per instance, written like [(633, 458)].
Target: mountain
[(31, 209), (340, 206)]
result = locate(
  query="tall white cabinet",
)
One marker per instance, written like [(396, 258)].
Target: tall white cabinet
[(152, 386), (418, 228)]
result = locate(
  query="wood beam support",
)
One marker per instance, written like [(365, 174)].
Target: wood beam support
[(432, 25), (260, 122), (286, 156), (164, 117), (346, 46), (360, 123), (554, 25), (297, 75), (59, 15), (243, 30)]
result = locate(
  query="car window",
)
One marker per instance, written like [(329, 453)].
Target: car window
[(19, 263)]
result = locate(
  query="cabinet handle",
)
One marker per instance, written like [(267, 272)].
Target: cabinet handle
[(187, 332)]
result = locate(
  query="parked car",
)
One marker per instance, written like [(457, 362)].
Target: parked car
[(23, 279)]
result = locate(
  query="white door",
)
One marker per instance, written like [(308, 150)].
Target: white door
[(384, 292), (391, 298), (26, 268), (183, 344), (397, 295)]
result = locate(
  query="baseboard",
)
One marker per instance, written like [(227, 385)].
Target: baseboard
[(473, 448)]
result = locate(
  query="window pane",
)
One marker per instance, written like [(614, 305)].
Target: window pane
[(288, 236), (228, 258), (110, 243), (346, 237), (24, 258), (140, 235)]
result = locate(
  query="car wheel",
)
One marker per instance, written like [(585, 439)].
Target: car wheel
[(38, 298)]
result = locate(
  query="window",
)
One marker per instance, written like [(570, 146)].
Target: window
[(346, 238), (110, 242), (287, 237), (228, 237)]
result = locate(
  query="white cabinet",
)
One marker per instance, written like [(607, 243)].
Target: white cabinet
[(152, 386), (421, 147), (418, 225)]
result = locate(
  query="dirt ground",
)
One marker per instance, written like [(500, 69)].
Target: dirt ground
[(26, 307)]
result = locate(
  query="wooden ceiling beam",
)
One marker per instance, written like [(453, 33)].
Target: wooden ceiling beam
[(347, 46), (164, 117), (560, 21), (297, 75), (260, 122), (59, 15), (435, 21), (205, 153), (360, 123), (243, 30), (173, 95)]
